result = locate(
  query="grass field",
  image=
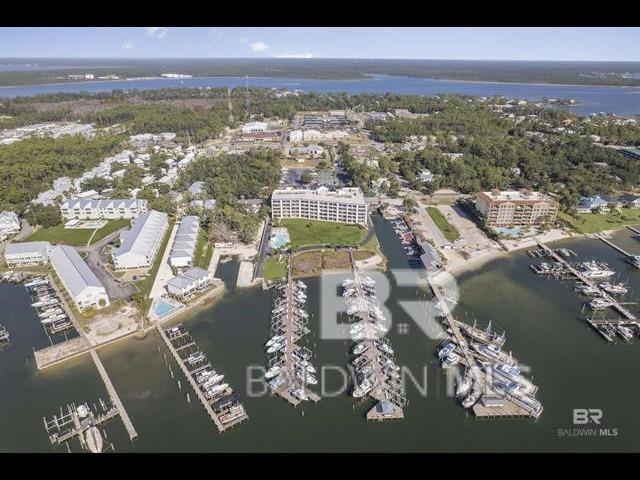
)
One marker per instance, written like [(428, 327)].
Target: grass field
[(313, 232), (595, 222), (448, 230), (204, 250), (275, 267), (78, 237)]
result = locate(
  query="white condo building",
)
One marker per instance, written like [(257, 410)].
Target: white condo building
[(139, 245), (9, 223), (254, 127), (190, 282), (184, 243), (81, 283), (26, 254), (343, 205), (103, 209)]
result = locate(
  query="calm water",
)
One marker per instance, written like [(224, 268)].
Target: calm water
[(618, 100), (572, 366)]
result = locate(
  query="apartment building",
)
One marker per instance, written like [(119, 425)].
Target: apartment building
[(343, 205), (518, 208), (139, 246), (103, 209)]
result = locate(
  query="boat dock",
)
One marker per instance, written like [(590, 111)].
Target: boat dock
[(375, 367), (223, 409), (113, 394), (635, 230), (629, 256), (614, 303), (289, 366), (80, 422)]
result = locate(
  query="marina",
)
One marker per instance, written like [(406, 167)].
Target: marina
[(588, 276), (374, 368), (290, 373), (218, 399)]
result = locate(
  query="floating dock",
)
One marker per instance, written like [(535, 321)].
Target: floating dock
[(224, 415)]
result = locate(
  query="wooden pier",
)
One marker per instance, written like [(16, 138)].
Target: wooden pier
[(635, 230), (113, 394), (220, 425), (613, 245), (614, 303)]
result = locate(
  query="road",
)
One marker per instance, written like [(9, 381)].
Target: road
[(431, 227)]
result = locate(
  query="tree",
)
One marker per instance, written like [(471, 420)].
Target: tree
[(306, 178), (409, 203), (45, 215)]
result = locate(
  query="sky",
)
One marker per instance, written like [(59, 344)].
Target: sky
[(466, 43)]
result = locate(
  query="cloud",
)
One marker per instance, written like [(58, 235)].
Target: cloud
[(258, 46), (295, 55), (157, 32), (127, 45)]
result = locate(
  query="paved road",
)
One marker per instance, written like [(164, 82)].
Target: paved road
[(431, 227), (263, 249)]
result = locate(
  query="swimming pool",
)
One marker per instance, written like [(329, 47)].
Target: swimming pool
[(163, 308), (510, 232)]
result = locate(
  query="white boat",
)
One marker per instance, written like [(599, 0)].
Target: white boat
[(202, 377), (274, 339), (359, 348), (275, 347), (361, 390), (625, 332), (464, 385), (614, 289), (634, 260), (451, 360), (300, 394), (210, 382), (385, 348), (195, 358), (93, 439), (305, 365), (471, 399), (508, 370), (446, 350), (599, 303), (36, 283), (272, 372), (593, 270), (216, 389)]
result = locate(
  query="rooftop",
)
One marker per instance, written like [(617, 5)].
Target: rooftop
[(351, 195), (74, 272), (515, 195)]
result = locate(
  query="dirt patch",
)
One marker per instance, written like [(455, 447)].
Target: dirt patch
[(335, 260), (306, 263)]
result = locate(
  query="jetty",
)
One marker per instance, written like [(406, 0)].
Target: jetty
[(635, 230), (223, 409), (113, 394)]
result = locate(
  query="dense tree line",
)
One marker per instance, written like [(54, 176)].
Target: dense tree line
[(29, 167)]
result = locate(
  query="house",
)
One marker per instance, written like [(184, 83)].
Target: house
[(79, 281), (27, 254), (630, 201), (189, 283), (196, 188), (598, 203), (184, 243)]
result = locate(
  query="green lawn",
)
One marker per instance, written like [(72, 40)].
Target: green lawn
[(76, 237), (448, 230), (275, 267), (595, 222), (203, 251), (313, 232)]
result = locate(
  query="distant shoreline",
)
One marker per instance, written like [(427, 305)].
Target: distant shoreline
[(354, 79)]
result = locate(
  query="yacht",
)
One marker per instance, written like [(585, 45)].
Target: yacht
[(361, 390), (276, 346), (385, 348), (464, 385), (614, 288), (471, 399), (202, 377), (300, 394), (216, 378), (598, 303), (305, 365), (274, 339), (594, 270), (391, 372), (446, 350), (510, 371), (194, 358), (272, 372), (36, 283), (93, 439), (359, 348), (625, 332), (634, 260), (216, 389), (451, 360)]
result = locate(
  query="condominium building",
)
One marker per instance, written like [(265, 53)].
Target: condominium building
[(343, 205), (9, 224), (103, 209), (517, 208), (184, 243), (81, 283), (27, 254), (139, 246), (189, 283)]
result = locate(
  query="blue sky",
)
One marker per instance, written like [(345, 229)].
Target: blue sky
[(598, 44)]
